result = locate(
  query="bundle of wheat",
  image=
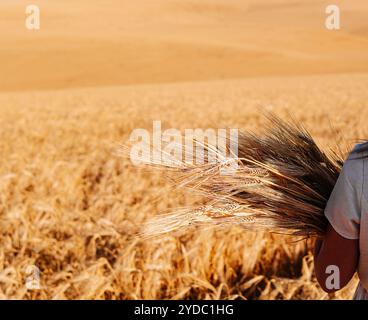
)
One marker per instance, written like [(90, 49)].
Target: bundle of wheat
[(282, 183)]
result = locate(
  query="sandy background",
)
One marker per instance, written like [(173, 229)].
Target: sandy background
[(93, 43)]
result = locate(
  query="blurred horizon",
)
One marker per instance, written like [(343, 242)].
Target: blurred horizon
[(87, 44)]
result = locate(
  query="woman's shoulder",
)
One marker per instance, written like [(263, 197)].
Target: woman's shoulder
[(360, 149), (354, 164)]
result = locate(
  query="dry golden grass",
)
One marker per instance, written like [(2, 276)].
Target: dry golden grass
[(71, 206)]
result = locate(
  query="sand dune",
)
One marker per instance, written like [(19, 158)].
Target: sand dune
[(82, 43)]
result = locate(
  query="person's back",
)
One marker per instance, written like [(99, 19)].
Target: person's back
[(345, 246)]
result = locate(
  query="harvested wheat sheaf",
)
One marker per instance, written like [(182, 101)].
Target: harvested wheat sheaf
[(282, 183)]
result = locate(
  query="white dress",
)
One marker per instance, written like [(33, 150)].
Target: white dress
[(347, 211)]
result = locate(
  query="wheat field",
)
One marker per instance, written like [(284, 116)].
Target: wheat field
[(72, 93)]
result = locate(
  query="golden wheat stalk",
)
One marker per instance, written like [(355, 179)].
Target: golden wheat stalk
[(281, 185)]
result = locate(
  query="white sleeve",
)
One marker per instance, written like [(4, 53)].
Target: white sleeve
[(343, 209)]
